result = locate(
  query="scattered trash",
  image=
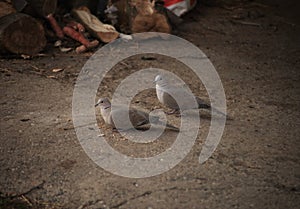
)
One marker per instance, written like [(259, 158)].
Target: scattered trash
[(99, 30), (56, 70), (180, 7), (69, 31), (125, 37), (25, 56), (148, 19), (63, 49), (111, 13), (81, 24), (52, 76), (55, 26), (58, 43), (76, 26), (84, 48)]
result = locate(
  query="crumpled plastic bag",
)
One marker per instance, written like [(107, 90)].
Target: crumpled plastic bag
[(179, 7)]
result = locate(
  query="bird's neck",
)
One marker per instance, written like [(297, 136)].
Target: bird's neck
[(105, 111), (163, 84)]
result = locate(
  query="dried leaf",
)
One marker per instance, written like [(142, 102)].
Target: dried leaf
[(62, 49), (58, 43), (56, 70), (51, 76), (25, 56)]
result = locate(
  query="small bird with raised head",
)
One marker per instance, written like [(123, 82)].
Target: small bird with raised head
[(164, 90)]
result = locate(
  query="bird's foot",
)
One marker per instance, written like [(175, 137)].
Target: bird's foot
[(117, 130), (172, 112)]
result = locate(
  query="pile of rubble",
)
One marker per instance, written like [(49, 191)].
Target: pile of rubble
[(26, 26)]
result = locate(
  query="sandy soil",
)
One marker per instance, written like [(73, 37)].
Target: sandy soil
[(256, 164)]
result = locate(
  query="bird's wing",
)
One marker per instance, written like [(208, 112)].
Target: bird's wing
[(169, 101), (119, 113), (138, 117), (106, 115), (185, 99), (202, 104)]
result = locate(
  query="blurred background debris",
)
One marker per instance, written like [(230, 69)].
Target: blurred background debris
[(82, 24)]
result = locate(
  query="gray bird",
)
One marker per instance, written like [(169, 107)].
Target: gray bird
[(137, 117), (164, 91)]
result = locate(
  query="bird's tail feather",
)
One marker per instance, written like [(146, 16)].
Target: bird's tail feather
[(168, 126), (172, 128), (221, 113)]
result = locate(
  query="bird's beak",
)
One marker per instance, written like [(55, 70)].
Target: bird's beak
[(96, 104)]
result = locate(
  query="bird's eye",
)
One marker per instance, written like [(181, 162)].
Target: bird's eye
[(101, 101)]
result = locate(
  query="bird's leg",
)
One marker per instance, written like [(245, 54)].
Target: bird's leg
[(174, 111), (117, 130)]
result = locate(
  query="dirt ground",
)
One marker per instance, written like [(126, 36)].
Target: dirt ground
[(254, 46)]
